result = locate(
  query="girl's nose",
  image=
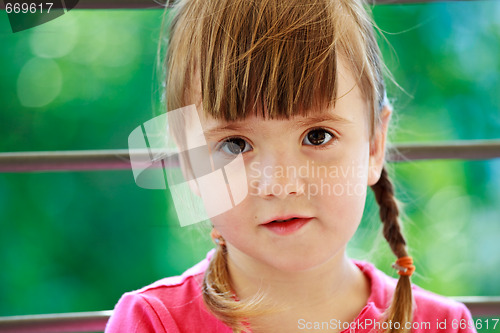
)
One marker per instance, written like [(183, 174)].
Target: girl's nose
[(277, 176)]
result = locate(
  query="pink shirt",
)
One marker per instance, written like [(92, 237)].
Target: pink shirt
[(175, 304)]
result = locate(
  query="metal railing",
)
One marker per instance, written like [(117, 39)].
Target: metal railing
[(151, 4), (162, 3), (96, 321), (56, 323), (119, 158)]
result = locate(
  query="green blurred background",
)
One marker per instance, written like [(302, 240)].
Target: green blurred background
[(75, 241)]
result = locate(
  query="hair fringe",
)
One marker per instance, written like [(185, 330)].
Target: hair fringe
[(401, 308), (273, 59)]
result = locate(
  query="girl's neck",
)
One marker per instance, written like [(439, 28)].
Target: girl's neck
[(336, 288)]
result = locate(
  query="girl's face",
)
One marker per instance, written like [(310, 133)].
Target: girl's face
[(307, 179)]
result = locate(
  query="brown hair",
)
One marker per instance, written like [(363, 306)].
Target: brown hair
[(276, 59)]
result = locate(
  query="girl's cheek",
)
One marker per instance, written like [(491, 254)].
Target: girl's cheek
[(231, 219), (254, 190)]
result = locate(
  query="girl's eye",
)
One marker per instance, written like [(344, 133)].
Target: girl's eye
[(317, 137), (234, 146)]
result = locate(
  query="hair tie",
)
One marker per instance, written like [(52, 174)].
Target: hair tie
[(217, 238), (404, 266)]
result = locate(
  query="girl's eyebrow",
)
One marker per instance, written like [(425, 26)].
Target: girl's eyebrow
[(306, 122), (227, 127), (316, 119)]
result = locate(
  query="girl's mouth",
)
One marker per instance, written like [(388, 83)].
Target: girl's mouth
[(287, 226)]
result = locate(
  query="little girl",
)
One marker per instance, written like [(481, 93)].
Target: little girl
[(295, 88)]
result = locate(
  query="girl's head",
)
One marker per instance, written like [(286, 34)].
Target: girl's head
[(293, 85)]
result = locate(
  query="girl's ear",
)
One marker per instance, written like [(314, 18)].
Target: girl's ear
[(377, 147)]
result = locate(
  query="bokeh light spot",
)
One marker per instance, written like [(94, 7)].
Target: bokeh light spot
[(39, 82), (54, 39)]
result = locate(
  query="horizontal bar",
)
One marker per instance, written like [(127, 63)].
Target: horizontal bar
[(119, 159), (145, 4), (461, 150), (56, 323), (118, 4), (479, 306), (96, 4), (394, 2), (65, 160), (111, 4)]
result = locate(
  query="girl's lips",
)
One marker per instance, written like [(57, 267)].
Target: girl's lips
[(286, 226)]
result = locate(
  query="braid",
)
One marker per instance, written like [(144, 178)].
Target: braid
[(400, 310), (217, 293), (219, 296), (389, 214)]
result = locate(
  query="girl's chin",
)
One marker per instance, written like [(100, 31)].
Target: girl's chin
[(299, 267), (291, 260), (295, 264)]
